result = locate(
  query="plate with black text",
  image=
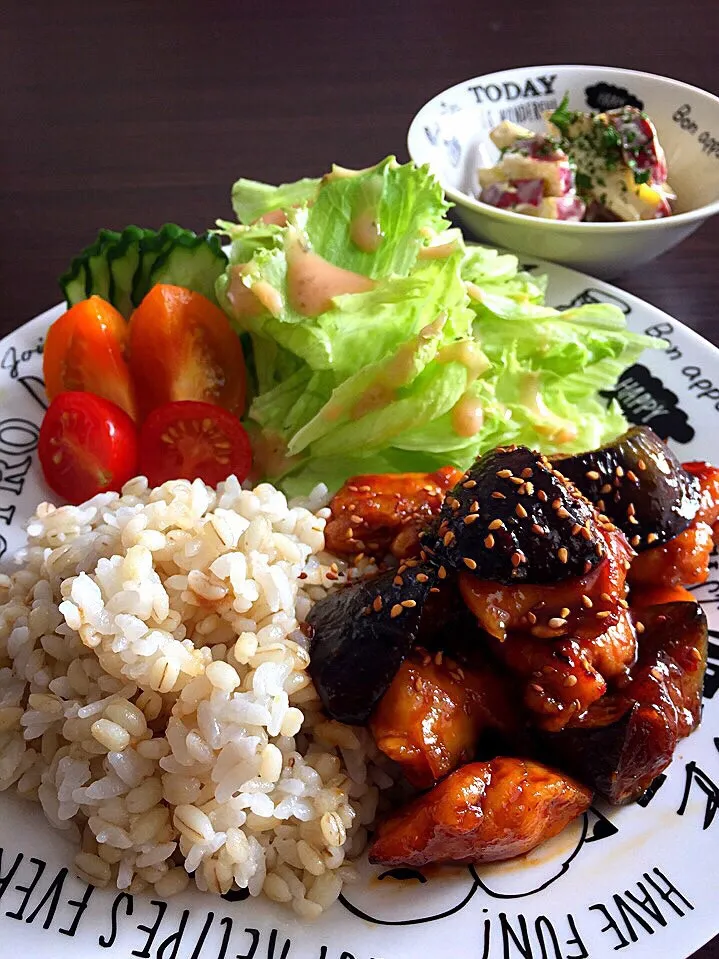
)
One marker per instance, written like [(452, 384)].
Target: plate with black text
[(634, 879)]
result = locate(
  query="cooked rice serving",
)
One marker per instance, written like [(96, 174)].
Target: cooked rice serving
[(154, 695)]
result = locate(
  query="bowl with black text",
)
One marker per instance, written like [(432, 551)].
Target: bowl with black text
[(600, 168)]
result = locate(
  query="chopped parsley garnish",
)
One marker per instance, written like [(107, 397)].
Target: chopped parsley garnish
[(610, 138), (563, 117), (545, 147), (584, 182)]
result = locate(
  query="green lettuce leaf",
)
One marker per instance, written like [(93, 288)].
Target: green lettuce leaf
[(374, 222), (252, 199), (246, 241)]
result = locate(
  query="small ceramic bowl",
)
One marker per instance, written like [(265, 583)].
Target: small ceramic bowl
[(451, 134)]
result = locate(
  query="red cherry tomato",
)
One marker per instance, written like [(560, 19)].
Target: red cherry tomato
[(188, 439), (87, 445)]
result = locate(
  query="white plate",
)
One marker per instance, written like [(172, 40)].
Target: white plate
[(637, 879)]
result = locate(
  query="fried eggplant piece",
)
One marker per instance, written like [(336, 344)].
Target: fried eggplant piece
[(675, 640), (558, 609), (383, 513), (446, 620), (623, 742), (684, 560), (483, 812), (639, 484), (513, 518), (360, 635), (431, 717)]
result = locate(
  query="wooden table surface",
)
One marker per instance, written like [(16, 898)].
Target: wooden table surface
[(138, 112)]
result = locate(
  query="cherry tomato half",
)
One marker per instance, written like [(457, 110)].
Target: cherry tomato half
[(187, 440), (87, 445), (182, 347), (84, 351)]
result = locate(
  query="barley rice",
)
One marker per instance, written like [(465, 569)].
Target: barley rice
[(153, 692)]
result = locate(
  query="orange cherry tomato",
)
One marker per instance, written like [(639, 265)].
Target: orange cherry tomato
[(84, 352), (182, 347)]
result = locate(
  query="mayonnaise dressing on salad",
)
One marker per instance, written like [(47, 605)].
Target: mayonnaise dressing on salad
[(313, 282), (365, 231), (467, 415)]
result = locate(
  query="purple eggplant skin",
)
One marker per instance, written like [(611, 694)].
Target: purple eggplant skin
[(514, 519), (359, 636), (623, 742), (639, 484)]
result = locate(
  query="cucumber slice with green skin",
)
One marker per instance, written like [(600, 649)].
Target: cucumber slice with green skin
[(151, 248), (194, 262), (121, 267), (74, 282), (122, 260), (98, 273)]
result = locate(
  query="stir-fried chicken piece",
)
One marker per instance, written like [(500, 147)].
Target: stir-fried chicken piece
[(643, 596), (483, 812), (431, 717), (565, 639), (383, 513), (560, 681), (627, 738), (564, 677), (683, 561)]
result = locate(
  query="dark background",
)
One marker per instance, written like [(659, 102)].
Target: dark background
[(143, 112)]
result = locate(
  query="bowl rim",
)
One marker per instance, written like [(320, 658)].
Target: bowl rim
[(534, 222)]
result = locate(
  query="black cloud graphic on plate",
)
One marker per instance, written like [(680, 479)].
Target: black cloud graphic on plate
[(605, 96), (646, 401)]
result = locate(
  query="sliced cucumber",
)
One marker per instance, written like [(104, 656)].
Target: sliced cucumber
[(98, 273), (152, 246), (121, 267), (122, 260), (191, 261), (73, 283)]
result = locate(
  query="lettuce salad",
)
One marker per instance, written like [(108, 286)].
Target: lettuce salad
[(436, 352)]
